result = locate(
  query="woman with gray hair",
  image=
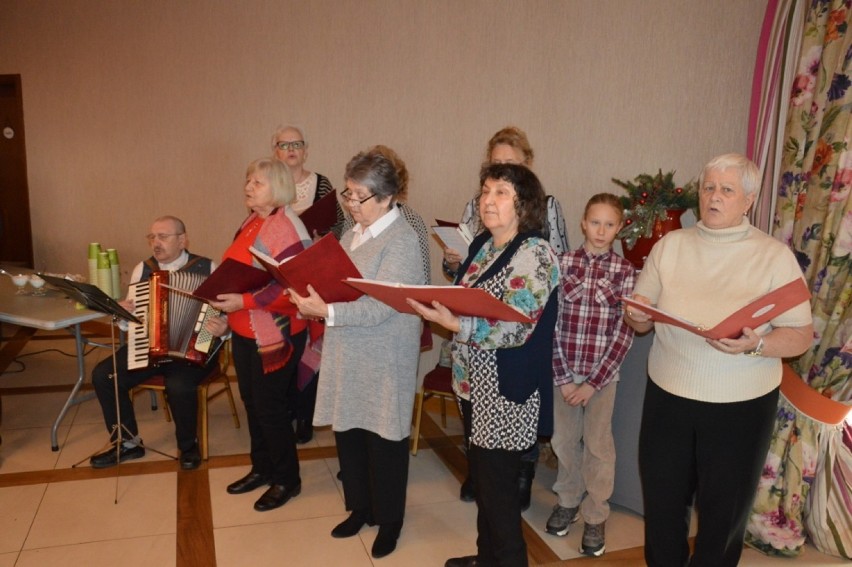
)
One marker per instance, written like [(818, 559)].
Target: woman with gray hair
[(370, 355), (710, 404)]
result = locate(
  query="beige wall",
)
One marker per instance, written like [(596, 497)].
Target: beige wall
[(135, 109)]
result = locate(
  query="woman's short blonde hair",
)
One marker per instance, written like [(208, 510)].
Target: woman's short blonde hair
[(279, 177)]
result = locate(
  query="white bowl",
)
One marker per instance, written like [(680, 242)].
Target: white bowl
[(36, 281), (20, 280)]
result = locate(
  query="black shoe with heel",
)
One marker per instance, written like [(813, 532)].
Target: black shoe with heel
[(385, 542), (351, 525)]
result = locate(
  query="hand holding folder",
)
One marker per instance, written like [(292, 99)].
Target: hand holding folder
[(231, 277), (463, 301), (323, 265), (760, 311)]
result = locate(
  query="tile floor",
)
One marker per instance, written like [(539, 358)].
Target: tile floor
[(54, 514)]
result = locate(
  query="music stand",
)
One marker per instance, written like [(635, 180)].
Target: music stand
[(95, 299)]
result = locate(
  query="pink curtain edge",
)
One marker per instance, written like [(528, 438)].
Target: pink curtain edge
[(757, 79)]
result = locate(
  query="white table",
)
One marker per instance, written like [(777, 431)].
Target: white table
[(50, 312)]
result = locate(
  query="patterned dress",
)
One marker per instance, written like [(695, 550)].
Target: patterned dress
[(525, 282)]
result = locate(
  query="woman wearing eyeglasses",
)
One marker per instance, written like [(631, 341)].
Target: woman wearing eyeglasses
[(369, 359), (290, 146)]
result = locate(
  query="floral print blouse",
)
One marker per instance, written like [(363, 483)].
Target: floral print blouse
[(528, 281)]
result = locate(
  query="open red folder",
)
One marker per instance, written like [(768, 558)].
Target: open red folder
[(322, 215), (231, 277), (465, 301), (323, 265), (760, 311)]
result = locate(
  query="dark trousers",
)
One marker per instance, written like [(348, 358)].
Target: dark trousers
[(494, 472), (712, 452), (302, 402), (181, 380), (273, 443), (374, 472)]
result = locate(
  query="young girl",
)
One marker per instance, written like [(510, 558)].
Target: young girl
[(590, 342)]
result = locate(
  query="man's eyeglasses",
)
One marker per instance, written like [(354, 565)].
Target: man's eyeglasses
[(297, 145), (162, 237), (354, 201)]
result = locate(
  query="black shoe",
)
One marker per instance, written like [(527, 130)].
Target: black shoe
[(248, 483), (351, 525), (466, 561), (466, 493), (525, 481), (108, 459), (276, 496), (304, 431), (190, 459), (386, 540)]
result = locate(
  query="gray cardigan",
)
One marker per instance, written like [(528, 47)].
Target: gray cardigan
[(368, 374)]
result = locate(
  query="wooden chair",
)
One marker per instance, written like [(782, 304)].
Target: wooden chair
[(437, 382), (218, 375)]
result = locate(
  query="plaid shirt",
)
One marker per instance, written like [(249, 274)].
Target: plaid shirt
[(591, 338)]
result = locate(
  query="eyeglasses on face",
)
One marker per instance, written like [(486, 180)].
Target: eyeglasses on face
[(161, 236), (297, 145), (351, 201)]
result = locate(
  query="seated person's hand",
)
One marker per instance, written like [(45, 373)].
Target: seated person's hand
[(216, 326)]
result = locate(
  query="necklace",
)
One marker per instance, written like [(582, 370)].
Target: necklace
[(303, 186)]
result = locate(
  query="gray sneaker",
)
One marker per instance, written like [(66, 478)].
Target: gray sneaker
[(561, 519), (593, 540)]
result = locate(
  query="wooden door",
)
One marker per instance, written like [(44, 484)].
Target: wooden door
[(16, 241)]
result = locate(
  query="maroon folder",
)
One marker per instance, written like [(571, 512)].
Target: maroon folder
[(323, 265), (322, 215), (232, 277)]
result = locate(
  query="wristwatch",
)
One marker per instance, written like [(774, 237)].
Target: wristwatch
[(757, 351)]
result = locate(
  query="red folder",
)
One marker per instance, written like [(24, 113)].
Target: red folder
[(232, 277), (322, 215), (323, 265), (760, 311), (464, 301)]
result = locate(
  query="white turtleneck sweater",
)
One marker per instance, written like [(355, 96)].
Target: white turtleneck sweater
[(703, 275)]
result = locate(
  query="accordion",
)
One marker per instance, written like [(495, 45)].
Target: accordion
[(173, 321)]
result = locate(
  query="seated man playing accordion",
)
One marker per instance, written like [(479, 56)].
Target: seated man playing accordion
[(167, 240)]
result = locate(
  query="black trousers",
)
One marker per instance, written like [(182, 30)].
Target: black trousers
[(710, 452), (273, 443), (374, 471), (302, 402), (181, 381), (494, 473)]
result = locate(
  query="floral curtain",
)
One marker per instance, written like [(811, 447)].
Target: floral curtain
[(813, 215)]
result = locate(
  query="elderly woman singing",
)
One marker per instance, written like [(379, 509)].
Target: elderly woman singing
[(369, 359), (710, 404)]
